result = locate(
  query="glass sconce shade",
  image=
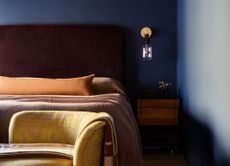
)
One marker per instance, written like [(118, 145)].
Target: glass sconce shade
[(146, 51)]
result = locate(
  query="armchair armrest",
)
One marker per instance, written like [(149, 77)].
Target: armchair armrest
[(88, 147)]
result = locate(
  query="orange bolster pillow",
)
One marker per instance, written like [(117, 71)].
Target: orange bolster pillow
[(46, 86)]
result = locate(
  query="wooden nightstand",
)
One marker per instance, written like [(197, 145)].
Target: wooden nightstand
[(157, 111), (158, 123)]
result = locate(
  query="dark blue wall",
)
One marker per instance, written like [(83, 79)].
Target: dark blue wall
[(130, 15)]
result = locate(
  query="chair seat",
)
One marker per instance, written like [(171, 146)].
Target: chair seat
[(36, 161), (38, 154)]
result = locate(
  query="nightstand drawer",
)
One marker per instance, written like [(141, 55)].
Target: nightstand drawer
[(158, 111), (158, 103)]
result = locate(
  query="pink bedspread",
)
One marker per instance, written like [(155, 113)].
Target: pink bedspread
[(129, 149)]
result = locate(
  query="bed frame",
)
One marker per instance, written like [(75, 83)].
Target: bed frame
[(61, 50)]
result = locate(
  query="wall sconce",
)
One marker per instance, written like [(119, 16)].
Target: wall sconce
[(146, 33)]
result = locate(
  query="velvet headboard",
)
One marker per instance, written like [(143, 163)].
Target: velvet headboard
[(61, 50)]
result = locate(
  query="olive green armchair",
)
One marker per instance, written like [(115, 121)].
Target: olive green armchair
[(53, 138)]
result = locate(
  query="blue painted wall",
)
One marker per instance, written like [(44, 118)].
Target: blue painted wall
[(203, 79), (130, 15)]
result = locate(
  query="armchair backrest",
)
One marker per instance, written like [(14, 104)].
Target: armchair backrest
[(46, 126)]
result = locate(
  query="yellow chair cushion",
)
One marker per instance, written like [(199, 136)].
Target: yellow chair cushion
[(38, 154), (36, 161)]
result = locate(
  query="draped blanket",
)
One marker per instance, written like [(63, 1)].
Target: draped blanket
[(128, 141), (110, 141)]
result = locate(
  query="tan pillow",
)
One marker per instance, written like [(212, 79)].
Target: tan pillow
[(103, 85), (46, 86)]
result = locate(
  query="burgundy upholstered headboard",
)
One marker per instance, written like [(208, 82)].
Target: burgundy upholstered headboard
[(61, 50)]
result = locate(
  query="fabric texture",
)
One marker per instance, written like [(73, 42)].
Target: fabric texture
[(103, 85), (129, 147), (36, 150), (36, 161), (46, 86), (110, 141), (61, 51), (65, 127)]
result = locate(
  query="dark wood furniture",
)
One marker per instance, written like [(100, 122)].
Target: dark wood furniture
[(158, 123), (157, 111)]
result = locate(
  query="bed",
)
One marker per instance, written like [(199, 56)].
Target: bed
[(69, 51)]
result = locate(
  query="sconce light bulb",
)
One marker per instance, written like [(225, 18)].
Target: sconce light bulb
[(147, 52)]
